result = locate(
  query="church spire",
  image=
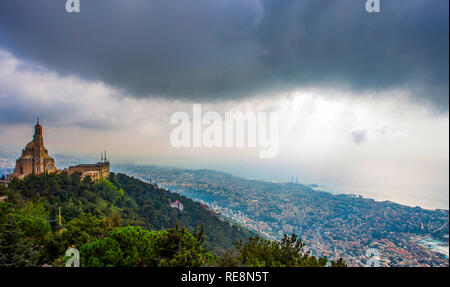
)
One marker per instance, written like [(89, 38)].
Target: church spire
[(37, 129)]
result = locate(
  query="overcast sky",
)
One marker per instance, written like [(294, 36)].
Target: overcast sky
[(363, 98)]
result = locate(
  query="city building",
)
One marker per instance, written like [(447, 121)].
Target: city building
[(95, 171), (177, 204)]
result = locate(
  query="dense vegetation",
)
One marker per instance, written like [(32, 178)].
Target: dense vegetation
[(125, 222)]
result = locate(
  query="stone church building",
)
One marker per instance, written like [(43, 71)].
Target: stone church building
[(35, 158)]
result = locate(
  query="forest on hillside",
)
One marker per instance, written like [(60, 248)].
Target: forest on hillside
[(123, 221)]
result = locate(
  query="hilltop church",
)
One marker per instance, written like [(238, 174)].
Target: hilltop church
[(36, 160)]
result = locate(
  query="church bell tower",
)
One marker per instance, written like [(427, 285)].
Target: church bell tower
[(39, 149)]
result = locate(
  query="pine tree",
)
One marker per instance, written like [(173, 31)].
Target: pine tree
[(14, 252)]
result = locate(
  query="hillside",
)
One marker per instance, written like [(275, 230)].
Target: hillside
[(153, 207), (332, 225), (92, 211), (136, 202), (125, 222)]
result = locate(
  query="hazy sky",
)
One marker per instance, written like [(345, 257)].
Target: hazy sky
[(363, 98)]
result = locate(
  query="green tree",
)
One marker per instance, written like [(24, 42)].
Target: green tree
[(77, 232), (229, 258), (124, 246), (338, 263), (177, 247), (134, 246), (5, 210), (32, 219), (289, 252), (14, 250)]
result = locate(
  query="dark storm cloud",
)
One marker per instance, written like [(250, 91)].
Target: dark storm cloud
[(19, 109), (28, 91), (203, 49)]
